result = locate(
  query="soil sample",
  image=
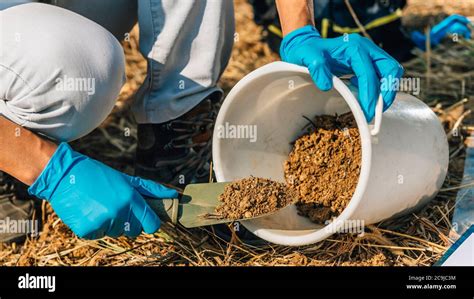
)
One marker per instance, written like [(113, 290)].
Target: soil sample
[(324, 166), (251, 197)]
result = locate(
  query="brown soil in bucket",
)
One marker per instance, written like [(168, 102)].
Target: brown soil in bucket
[(321, 172), (324, 166), (251, 197)]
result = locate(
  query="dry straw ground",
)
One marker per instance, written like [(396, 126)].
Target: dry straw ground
[(416, 239)]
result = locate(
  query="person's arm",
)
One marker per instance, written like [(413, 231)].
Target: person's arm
[(349, 54), (91, 198), (295, 14), (23, 154)]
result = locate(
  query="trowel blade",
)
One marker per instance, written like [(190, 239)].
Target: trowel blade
[(199, 200)]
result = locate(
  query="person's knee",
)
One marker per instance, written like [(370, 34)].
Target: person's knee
[(61, 73)]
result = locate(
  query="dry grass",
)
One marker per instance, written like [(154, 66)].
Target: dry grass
[(417, 239), (435, 7)]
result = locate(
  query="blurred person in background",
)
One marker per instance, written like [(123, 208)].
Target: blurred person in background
[(380, 19)]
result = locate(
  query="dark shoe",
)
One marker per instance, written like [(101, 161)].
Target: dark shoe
[(16, 210), (178, 152)]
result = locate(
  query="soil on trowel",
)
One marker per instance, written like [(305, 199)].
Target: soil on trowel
[(324, 166), (252, 197)]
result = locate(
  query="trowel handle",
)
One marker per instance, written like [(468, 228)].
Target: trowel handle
[(167, 208)]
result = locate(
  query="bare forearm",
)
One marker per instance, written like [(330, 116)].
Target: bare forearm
[(295, 14), (23, 154)]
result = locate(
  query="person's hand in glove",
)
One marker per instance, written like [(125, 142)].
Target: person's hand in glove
[(95, 200), (454, 24), (349, 54)]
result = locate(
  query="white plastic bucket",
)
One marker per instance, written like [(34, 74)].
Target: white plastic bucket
[(402, 167)]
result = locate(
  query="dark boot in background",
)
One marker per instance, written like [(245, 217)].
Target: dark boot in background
[(178, 152), (16, 208)]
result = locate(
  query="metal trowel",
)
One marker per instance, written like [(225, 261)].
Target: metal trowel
[(196, 206)]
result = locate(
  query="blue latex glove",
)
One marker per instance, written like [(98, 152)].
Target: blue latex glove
[(95, 200), (350, 54), (454, 24)]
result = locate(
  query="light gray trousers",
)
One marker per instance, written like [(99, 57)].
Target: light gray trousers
[(60, 72)]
